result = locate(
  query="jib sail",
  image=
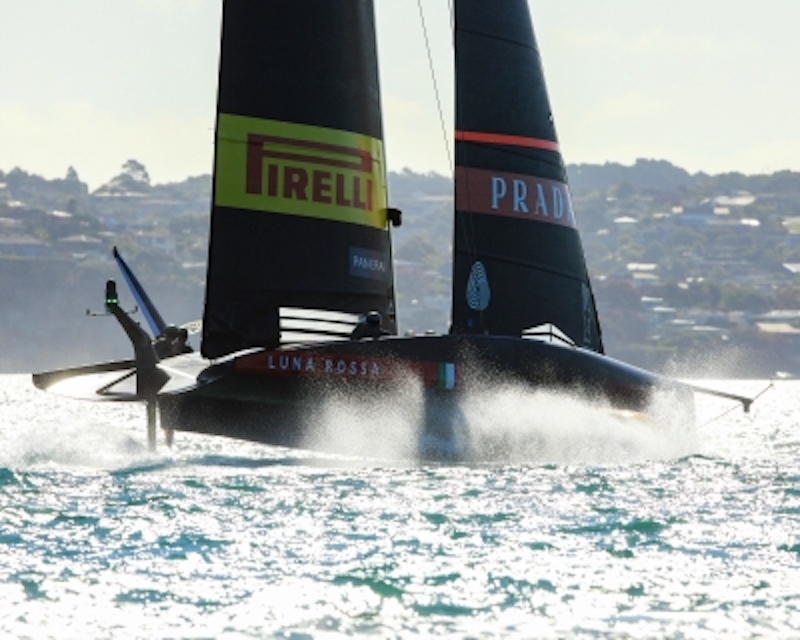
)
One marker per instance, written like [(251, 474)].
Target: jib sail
[(518, 259)]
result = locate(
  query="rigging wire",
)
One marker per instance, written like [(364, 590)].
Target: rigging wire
[(450, 160), (468, 245), (435, 82), (467, 222), (452, 17)]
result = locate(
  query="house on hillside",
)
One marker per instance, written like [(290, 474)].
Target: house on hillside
[(82, 246), (157, 238), (21, 245)]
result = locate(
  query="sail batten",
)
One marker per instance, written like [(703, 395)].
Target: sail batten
[(518, 260)]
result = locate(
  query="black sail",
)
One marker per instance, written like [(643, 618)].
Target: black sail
[(518, 260), (299, 202)]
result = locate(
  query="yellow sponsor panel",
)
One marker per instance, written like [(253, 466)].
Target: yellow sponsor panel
[(295, 169)]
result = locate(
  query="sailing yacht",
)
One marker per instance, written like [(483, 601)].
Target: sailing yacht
[(300, 295)]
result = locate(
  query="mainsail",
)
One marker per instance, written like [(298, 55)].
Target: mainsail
[(518, 260), (299, 213)]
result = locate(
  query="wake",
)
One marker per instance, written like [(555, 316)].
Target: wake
[(497, 424)]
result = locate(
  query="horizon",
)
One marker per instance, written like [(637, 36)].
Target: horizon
[(156, 183), (707, 86)]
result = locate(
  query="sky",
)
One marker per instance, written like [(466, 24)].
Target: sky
[(709, 85)]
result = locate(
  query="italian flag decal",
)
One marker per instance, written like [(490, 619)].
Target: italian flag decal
[(447, 375)]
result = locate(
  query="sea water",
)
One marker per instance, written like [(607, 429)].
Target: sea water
[(584, 526)]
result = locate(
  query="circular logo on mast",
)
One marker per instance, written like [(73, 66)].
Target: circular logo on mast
[(478, 291)]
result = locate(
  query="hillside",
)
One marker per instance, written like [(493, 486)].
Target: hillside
[(691, 271)]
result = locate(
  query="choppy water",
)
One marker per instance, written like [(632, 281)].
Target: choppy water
[(600, 532)]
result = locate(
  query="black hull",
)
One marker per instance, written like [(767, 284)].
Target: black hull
[(270, 403)]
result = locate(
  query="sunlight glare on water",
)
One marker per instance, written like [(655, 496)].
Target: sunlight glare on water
[(607, 530)]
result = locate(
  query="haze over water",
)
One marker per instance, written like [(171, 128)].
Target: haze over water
[(583, 527)]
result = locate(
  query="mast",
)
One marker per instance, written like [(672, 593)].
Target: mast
[(518, 260), (299, 199)]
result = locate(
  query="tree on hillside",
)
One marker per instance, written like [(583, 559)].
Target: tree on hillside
[(36, 191), (133, 179), (136, 171)]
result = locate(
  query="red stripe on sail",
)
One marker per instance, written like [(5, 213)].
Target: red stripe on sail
[(501, 138)]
